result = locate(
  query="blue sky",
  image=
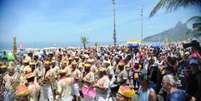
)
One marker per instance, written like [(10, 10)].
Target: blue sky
[(67, 20)]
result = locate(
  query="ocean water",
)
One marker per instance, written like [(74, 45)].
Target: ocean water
[(8, 46)]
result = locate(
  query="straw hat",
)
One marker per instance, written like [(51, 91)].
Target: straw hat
[(76, 57), (126, 91), (3, 66), (74, 63), (106, 62), (47, 62), (32, 63), (27, 69), (27, 59), (102, 69), (29, 75), (86, 56), (87, 65), (187, 53), (62, 72), (54, 59)]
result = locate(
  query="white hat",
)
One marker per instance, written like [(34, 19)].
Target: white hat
[(187, 53), (170, 79), (86, 56)]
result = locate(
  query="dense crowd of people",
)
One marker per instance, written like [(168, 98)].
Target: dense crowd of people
[(116, 73)]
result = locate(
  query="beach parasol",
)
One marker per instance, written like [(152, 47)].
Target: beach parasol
[(134, 43)]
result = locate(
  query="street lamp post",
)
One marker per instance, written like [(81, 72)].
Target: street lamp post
[(141, 24), (114, 31)]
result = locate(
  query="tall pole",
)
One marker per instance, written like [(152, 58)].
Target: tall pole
[(141, 24), (114, 31), (14, 46)]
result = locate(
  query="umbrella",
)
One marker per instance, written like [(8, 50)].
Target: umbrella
[(134, 43)]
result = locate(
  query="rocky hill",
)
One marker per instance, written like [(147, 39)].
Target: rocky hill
[(177, 33)]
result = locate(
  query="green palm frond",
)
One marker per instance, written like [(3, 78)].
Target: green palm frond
[(84, 41), (172, 5), (158, 6)]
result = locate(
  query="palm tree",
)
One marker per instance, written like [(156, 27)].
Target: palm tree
[(84, 41), (172, 5), (96, 44)]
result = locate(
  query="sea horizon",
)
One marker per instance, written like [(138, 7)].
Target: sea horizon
[(40, 45)]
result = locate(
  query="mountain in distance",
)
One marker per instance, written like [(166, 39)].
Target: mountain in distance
[(177, 33)]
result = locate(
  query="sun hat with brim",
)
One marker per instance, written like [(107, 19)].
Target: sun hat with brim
[(187, 53), (32, 63), (29, 75), (62, 72), (86, 56), (3, 66), (53, 61), (106, 62), (193, 61), (74, 63), (47, 62), (81, 65), (171, 79), (87, 65), (76, 57), (26, 61), (126, 91), (27, 69), (102, 69)]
